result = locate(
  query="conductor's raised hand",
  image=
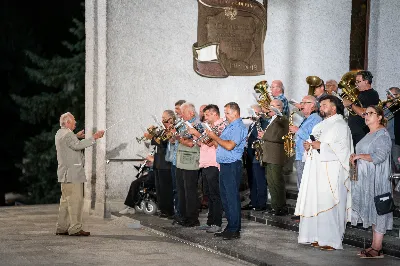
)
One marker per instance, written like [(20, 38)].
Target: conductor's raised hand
[(80, 134), (98, 134)]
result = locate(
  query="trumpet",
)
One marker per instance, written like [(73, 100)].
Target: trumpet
[(217, 129), (152, 130), (394, 102)]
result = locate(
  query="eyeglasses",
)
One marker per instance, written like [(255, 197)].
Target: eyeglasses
[(368, 113), (166, 120), (305, 102)]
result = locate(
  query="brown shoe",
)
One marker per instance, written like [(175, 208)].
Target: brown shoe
[(61, 234), (81, 233)]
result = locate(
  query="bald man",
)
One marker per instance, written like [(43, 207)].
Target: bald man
[(277, 91), (274, 156)]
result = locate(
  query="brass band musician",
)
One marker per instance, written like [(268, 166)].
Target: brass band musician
[(368, 96), (274, 156)]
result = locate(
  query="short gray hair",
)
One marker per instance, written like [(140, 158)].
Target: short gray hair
[(190, 106), (64, 118), (313, 100)]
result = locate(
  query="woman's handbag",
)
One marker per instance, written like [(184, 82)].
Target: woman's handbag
[(384, 203)]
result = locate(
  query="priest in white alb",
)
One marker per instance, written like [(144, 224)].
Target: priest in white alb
[(324, 200)]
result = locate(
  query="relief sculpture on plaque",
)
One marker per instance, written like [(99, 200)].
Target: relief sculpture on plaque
[(230, 38)]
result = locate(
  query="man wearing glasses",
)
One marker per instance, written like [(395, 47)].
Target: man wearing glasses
[(392, 113), (302, 132), (368, 96)]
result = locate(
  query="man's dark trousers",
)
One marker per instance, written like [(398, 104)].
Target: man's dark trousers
[(229, 182), (211, 177), (276, 184), (175, 191), (258, 189), (186, 183)]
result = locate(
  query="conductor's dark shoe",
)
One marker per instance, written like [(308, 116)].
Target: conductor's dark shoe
[(81, 233), (230, 235), (295, 217), (62, 234), (281, 212)]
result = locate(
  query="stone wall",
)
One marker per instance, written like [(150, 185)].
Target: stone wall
[(139, 62), (384, 40)]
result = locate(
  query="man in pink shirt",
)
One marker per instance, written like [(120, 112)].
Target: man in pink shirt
[(209, 169)]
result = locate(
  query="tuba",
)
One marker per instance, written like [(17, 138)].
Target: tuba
[(288, 139), (264, 99), (349, 89), (313, 82)]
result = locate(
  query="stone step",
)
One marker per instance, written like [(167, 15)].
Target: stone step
[(353, 236), (291, 194)]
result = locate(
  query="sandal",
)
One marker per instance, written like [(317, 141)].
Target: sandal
[(368, 255), (362, 252), (328, 248)]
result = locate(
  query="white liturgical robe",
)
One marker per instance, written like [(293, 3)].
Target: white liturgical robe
[(324, 200)]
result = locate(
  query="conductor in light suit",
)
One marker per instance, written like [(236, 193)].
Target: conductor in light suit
[(71, 175)]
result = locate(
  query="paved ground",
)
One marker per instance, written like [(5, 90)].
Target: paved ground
[(27, 238)]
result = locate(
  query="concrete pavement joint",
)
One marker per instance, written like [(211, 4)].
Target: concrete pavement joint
[(196, 245)]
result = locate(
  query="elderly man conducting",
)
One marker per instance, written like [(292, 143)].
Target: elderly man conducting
[(71, 175), (324, 198)]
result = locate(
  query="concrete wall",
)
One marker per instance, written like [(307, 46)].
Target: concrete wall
[(139, 62), (384, 42)]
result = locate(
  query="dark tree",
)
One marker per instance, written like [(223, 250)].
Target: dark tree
[(65, 76)]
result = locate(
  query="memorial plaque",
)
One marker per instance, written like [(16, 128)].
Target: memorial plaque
[(230, 38)]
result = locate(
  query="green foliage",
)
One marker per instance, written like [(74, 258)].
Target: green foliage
[(65, 78)]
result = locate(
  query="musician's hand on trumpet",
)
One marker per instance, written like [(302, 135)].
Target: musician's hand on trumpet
[(193, 132)]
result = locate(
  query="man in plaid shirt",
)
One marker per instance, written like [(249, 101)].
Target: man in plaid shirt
[(277, 91)]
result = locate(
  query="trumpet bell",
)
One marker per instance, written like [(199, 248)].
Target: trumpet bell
[(264, 99)]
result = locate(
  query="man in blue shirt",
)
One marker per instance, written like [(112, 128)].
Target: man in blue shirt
[(230, 149), (308, 107)]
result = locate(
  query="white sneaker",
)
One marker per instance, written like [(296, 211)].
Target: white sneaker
[(128, 210), (214, 229)]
